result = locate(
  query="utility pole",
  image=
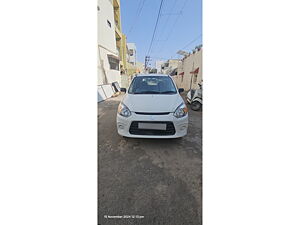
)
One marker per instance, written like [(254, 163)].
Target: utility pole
[(147, 59)]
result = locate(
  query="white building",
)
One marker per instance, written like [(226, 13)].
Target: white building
[(132, 53), (108, 55), (158, 65)]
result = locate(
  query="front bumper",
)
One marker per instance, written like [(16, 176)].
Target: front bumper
[(180, 125)]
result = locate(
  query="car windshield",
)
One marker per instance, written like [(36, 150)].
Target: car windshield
[(152, 85)]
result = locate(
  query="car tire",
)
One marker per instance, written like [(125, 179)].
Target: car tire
[(196, 106)]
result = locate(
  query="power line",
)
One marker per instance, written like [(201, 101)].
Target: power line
[(159, 12), (176, 20), (192, 42), (154, 57), (197, 38), (138, 13), (169, 14), (173, 56)]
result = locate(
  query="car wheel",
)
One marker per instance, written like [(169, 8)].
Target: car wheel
[(196, 106)]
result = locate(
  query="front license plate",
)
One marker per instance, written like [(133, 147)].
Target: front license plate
[(152, 126)]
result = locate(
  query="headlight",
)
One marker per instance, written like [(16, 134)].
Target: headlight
[(123, 110), (181, 111)]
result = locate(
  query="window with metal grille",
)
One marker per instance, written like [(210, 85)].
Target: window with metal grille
[(113, 63)]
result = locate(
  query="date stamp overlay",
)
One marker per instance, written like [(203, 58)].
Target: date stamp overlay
[(123, 217)]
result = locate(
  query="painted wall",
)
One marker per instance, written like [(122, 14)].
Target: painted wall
[(190, 63), (107, 75), (106, 43), (106, 33)]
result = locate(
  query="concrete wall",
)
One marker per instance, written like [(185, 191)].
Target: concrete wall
[(190, 63)]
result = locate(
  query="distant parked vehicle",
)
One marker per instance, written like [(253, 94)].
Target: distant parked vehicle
[(152, 108), (194, 97)]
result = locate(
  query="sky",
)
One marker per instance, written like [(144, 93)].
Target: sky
[(179, 27)]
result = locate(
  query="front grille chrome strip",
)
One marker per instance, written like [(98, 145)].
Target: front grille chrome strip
[(152, 113)]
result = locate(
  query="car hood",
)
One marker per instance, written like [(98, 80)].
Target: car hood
[(152, 103)]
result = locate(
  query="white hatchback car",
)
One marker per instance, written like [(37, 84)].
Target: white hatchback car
[(152, 108)]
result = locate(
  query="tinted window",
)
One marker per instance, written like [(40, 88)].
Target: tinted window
[(152, 85)]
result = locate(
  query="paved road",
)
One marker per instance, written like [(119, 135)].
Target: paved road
[(158, 180)]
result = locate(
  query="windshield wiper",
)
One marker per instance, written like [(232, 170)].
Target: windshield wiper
[(167, 92), (147, 92)]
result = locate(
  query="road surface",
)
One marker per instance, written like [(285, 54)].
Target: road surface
[(158, 182)]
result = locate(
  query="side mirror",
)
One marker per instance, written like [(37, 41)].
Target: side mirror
[(123, 90), (180, 90)]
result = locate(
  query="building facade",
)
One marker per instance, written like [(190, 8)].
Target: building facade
[(108, 56), (189, 73), (169, 66), (121, 43), (133, 66), (158, 65), (132, 57), (112, 47), (112, 50)]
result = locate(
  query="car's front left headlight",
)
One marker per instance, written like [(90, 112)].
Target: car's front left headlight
[(123, 110), (181, 111)]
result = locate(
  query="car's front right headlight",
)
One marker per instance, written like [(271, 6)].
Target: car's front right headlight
[(181, 111), (123, 110)]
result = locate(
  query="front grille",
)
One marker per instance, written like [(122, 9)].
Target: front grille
[(153, 113), (135, 130)]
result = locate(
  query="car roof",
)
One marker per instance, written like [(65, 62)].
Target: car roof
[(152, 74)]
